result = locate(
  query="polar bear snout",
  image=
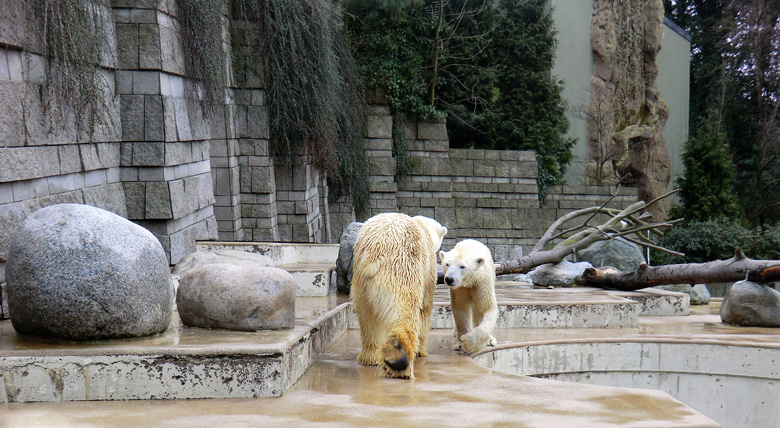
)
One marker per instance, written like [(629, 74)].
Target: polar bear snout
[(449, 280)]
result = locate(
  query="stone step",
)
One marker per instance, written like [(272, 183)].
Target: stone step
[(311, 265), (524, 307), (312, 279), (280, 253), (657, 302)]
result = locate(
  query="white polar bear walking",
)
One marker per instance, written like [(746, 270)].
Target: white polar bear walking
[(471, 277)]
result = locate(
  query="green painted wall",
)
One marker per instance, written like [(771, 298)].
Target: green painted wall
[(674, 83), (574, 65)]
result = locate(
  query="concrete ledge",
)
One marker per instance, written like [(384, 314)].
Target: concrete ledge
[(183, 363), (657, 302), (280, 253), (698, 372)]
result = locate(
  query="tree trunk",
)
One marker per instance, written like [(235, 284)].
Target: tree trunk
[(736, 268)]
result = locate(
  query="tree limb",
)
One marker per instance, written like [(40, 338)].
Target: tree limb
[(736, 268)]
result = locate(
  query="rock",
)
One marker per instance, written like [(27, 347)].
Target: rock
[(233, 297), (617, 253), (751, 305), (699, 293), (3, 301), (344, 260), (238, 258), (523, 277), (562, 274), (82, 273), (625, 40)]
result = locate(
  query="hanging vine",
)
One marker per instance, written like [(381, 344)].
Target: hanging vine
[(72, 37)]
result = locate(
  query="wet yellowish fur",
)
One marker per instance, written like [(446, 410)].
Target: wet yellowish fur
[(394, 265)]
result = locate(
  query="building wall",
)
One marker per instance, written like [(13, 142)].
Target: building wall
[(574, 65), (674, 83)]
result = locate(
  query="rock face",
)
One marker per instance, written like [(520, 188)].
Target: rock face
[(627, 118), (699, 293), (751, 305), (82, 273), (344, 260), (238, 258), (618, 253), (562, 274), (248, 298)]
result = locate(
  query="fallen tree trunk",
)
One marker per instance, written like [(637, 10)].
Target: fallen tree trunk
[(734, 269)]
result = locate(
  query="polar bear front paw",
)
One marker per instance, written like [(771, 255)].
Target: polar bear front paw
[(395, 360), (492, 341), (472, 342)]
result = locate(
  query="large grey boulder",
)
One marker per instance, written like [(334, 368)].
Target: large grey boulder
[(751, 304), (238, 258), (561, 274), (699, 293), (248, 298), (82, 273), (344, 260), (617, 253)]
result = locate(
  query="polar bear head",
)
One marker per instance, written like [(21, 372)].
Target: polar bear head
[(434, 228), (463, 263)]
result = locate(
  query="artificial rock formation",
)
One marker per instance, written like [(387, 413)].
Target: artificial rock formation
[(627, 118)]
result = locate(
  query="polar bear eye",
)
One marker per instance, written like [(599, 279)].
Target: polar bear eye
[(462, 266), (447, 264)]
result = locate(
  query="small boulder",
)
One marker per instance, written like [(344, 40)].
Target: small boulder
[(751, 305), (238, 258), (228, 296), (562, 274), (699, 293), (617, 253), (82, 273), (344, 260)]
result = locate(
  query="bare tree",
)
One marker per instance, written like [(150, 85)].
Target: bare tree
[(628, 224), (600, 117)]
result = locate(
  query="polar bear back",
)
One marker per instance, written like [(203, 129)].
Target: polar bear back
[(394, 261)]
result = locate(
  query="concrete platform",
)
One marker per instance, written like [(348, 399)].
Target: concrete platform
[(451, 389)]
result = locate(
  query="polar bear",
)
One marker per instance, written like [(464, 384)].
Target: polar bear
[(394, 265), (471, 277)]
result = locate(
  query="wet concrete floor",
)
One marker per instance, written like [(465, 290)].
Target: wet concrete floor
[(450, 389)]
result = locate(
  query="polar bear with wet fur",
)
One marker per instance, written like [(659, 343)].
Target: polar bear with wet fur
[(471, 277), (394, 277)]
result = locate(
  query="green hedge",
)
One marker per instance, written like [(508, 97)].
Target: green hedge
[(704, 241)]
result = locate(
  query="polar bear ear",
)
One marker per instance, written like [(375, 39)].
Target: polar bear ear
[(480, 262), (442, 231), (442, 254)]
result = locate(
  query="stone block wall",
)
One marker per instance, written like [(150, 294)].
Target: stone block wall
[(166, 130), (47, 154), (188, 170), (488, 195)]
